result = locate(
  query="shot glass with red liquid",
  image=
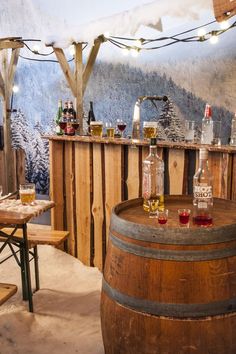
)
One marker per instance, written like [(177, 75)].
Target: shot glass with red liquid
[(184, 216), (163, 217)]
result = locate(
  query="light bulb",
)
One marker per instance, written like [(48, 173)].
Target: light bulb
[(125, 51), (224, 25), (214, 39), (72, 49), (36, 48), (134, 52), (15, 88), (201, 32), (138, 43)]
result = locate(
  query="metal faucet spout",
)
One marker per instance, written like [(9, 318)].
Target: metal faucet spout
[(136, 115)]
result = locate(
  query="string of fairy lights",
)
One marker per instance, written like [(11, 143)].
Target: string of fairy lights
[(134, 46)]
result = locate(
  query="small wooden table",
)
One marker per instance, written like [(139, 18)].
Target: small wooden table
[(14, 215), (6, 291)]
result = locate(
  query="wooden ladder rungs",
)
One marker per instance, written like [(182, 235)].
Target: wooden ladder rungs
[(6, 291)]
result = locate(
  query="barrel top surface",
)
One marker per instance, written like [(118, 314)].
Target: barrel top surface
[(129, 218)]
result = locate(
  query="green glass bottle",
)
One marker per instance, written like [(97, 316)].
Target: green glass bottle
[(58, 118)]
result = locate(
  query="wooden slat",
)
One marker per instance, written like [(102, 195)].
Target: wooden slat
[(70, 195), (6, 291), (134, 178), (12, 68), (79, 84), (20, 166), (233, 179), (98, 206), (113, 180), (83, 202), (66, 69), (57, 184), (90, 62), (176, 170), (220, 165), (2, 172)]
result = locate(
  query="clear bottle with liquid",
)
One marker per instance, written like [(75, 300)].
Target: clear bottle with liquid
[(203, 192), (207, 126), (58, 118), (233, 131), (153, 178)]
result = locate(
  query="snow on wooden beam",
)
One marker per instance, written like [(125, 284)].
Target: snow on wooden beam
[(224, 9)]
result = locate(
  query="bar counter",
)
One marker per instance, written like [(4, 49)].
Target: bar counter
[(89, 175)]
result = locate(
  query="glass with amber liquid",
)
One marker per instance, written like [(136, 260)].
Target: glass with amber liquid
[(27, 193), (96, 128), (149, 130), (110, 130), (153, 178)]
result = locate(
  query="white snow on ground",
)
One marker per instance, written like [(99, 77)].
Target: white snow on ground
[(66, 316)]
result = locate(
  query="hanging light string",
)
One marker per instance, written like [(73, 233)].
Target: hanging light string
[(119, 41), (141, 43)]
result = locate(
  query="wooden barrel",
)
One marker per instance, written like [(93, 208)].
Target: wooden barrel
[(170, 290)]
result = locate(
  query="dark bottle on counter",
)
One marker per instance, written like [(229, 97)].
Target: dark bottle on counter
[(66, 108), (91, 116), (71, 111)]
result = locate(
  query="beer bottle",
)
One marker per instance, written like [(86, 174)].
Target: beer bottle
[(58, 118), (91, 116)]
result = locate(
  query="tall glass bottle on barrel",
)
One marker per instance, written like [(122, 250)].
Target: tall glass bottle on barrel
[(153, 178), (58, 118), (203, 192)]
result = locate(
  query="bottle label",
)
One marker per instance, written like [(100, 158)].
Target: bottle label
[(202, 192)]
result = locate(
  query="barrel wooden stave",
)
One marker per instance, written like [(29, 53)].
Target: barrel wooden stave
[(150, 304)]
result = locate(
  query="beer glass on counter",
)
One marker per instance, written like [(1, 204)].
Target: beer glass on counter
[(110, 130), (27, 193), (96, 128), (149, 130)]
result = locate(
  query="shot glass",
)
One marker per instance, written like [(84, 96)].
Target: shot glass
[(189, 131), (184, 215), (163, 216), (27, 193), (153, 208)]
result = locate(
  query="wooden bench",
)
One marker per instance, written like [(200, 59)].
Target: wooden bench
[(6, 291), (36, 236)]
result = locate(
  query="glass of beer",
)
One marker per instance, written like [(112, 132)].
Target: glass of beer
[(96, 128), (27, 193), (110, 130), (149, 130)]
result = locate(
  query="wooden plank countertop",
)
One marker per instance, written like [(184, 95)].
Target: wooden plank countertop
[(135, 142)]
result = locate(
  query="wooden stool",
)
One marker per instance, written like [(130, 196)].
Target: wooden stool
[(6, 291)]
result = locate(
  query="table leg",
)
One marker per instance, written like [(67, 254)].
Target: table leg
[(27, 267), (23, 272)]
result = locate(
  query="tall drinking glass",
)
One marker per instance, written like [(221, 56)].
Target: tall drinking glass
[(189, 131)]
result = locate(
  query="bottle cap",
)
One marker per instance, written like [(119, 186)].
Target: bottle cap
[(203, 154), (208, 111), (153, 141)]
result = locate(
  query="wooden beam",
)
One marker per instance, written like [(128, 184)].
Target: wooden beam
[(2, 86), (79, 84), (91, 60), (66, 69), (12, 68), (6, 44)]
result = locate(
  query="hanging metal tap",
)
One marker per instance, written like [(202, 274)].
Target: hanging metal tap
[(136, 115)]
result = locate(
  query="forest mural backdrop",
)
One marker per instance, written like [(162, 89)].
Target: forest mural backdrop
[(189, 76)]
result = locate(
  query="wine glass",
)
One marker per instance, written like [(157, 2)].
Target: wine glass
[(121, 125), (63, 123)]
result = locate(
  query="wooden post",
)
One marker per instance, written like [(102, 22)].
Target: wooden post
[(79, 84), (7, 73)]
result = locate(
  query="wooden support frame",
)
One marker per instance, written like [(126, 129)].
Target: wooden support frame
[(8, 64), (78, 80)]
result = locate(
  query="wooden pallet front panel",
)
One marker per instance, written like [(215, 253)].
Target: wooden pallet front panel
[(98, 208), (57, 183), (83, 181), (220, 167)]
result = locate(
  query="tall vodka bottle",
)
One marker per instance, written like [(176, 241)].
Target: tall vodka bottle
[(233, 131), (153, 178), (207, 126), (202, 192)]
